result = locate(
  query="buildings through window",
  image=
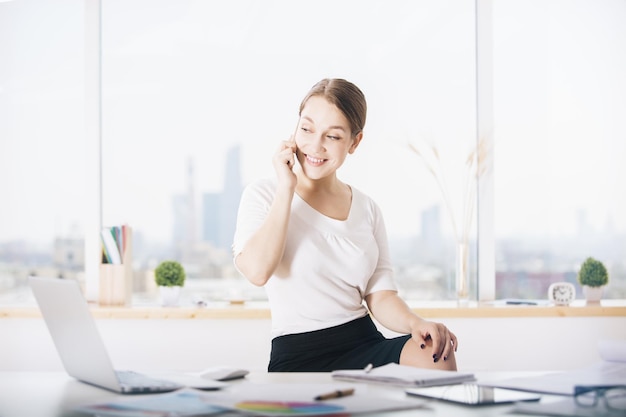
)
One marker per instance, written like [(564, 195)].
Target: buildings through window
[(196, 96)]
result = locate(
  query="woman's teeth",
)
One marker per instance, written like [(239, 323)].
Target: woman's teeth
[(314, 160)]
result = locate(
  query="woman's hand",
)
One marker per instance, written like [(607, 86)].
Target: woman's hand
[(284, 161), (394, 314), (442, 339)]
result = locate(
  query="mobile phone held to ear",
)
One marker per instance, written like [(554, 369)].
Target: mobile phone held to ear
[(472, 394)]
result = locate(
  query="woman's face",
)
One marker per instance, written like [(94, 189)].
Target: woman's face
[(323, 138)]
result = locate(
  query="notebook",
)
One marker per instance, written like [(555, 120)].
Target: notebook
[(402, 375), (81, 348)]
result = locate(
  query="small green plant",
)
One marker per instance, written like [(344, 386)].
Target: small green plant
[(593, 273), (169, 274)]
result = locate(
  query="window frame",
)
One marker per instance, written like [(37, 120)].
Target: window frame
[(93, 138)]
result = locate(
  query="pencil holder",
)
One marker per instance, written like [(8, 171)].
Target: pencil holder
[(116, 279), (112, 291)]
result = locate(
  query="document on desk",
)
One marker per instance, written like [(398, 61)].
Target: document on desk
[(280, 399), (257, 399), (185, 402), (405, 376), (610, 371)]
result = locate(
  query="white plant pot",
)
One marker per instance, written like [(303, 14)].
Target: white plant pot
[(592, 294), (170, 296)]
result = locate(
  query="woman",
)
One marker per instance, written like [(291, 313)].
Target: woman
[(319, 247)]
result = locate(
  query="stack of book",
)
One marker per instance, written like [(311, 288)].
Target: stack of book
[(115, 241)]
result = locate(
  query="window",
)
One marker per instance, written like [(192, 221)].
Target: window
[(41, 143), (196, 96), (559, 98)]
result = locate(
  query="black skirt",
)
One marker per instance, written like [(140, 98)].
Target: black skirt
[(352, 345)]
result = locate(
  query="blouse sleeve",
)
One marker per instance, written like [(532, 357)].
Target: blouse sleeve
[(254, 205), (382, 278)]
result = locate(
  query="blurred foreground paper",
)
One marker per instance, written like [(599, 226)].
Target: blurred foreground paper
[(610, 371), (612, 350)]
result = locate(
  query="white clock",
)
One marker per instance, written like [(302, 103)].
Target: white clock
[(562, 293)]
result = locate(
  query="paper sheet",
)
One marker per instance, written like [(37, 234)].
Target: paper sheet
[(280, 399), (268, 400), (185, 402), (401, 375), (612, 350), (611, 371)]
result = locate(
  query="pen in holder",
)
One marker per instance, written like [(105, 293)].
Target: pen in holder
[(116, 272)]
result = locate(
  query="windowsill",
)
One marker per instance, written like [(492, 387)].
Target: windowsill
[(426, 309)]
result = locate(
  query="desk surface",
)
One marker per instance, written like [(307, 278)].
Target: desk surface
[(52, 394)]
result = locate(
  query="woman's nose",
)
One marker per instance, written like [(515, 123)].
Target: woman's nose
[(317, 144)]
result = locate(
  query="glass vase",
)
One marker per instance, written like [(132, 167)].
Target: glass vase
[(462, 272)]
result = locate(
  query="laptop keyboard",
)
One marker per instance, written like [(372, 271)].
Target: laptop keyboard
[(136, 382)]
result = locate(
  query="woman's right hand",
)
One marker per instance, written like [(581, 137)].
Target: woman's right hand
[(284, 161)]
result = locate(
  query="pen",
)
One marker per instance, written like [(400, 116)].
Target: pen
[(335, 394), (521, 302)]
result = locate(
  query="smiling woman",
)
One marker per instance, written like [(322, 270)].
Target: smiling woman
[(319, 247)]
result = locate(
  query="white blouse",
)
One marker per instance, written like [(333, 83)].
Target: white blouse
[(329, 265)]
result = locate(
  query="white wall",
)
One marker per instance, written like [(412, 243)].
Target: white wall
[(495, 344)]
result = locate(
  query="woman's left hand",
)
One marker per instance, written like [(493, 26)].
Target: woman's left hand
[(442, 339), (393, 313)]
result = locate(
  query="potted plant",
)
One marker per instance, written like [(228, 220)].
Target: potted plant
[(593, 276), (170, 277)]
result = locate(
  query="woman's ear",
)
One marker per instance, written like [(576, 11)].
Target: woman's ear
[(355, 142)]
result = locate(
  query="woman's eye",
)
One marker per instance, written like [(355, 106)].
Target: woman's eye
[(304, 129), (333, 137)]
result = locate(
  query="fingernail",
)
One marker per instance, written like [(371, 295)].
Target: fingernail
[(422, 346), (436, 359), (434, 356), (445, 358)]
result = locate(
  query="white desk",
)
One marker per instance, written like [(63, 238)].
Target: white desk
[(53, 394)]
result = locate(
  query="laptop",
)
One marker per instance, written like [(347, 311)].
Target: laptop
[(81, 348)]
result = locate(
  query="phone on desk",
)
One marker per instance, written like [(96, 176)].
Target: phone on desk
[(472, 394)]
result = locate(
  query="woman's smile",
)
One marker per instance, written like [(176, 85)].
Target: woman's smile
[(314, 161)]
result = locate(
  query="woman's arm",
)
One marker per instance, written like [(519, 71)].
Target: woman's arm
[(393, 313), (263, 251)]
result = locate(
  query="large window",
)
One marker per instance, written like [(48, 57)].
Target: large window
[(195, 97), (560, 101), (41, 143)]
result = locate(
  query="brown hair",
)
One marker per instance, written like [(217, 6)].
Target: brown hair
[(348, 98)]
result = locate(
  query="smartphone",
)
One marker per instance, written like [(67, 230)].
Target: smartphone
[(472, 394)]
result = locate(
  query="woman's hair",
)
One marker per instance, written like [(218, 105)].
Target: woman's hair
[(348, 98)]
